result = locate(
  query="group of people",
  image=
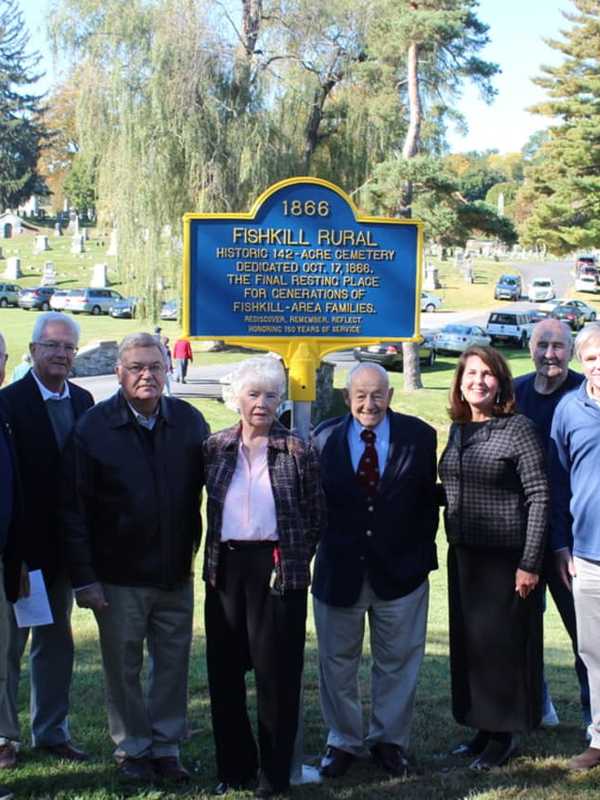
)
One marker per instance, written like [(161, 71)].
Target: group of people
[(105, 500)]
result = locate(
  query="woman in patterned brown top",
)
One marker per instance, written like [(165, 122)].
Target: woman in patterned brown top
[(494, 478), (264, 516)]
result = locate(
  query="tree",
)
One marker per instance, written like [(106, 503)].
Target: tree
[(21, 131), (563, 187), (431, 47)]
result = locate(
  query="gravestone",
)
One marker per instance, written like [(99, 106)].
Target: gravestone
[(113, 246), (73, 226), (13, 269), (432, 280), (78, 244), (57, 229), (99, 276), (160, 284), (41, 244), (49, 274)]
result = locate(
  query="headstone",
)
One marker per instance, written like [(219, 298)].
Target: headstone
[(73, 226), (160, 284), (78, 244), (99, 276), (13, 269), (432, 280), (49, 274), (113, 246), (41, 244), (57, 229)]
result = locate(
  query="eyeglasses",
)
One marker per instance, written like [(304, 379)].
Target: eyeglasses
[(137, 369), (54, 347)]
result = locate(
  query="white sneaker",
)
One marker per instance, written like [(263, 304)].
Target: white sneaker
[(550, 718)]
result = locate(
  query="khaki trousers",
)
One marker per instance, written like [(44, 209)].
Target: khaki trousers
[(148, 723), (586, 593)]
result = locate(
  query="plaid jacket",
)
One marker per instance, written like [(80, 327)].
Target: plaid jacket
[(496, 488), (299, 503)]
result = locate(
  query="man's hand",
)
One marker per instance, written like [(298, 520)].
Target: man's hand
[(91, 597), (24, 587), (525, 582), (565, 567)]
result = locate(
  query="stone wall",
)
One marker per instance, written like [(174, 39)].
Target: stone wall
[(96, 358)]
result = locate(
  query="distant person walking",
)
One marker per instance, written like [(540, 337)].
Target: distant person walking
[(182, 353)]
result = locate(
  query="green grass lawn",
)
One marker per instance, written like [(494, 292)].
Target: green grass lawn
[(539, 771)]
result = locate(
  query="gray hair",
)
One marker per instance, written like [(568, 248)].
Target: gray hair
[(362, 365), (540, 328), (586, 335), (54, 316), (261, 370), (140, 340)]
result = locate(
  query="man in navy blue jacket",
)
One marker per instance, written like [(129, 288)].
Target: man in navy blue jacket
[(378, 471)]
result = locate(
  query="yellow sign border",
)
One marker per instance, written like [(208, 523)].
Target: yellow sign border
[(301, 354)]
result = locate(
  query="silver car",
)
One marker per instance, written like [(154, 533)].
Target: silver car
[(456, 338), (91, 301), (9, 294)]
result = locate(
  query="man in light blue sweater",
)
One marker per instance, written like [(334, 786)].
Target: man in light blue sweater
[(575, 518)]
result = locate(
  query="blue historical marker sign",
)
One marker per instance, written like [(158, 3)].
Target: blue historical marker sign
[(302, 264)]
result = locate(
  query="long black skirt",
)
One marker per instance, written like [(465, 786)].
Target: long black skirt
[(496, 642)]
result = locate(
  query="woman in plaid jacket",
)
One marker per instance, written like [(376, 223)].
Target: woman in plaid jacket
[(264, 513), (494, 478)]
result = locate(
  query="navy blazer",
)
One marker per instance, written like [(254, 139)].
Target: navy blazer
[(11, 555), (38, 463), (390, 540)]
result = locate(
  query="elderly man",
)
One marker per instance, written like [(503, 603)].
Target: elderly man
[(379, 472), (538, 394), (41, 410), (132, 517), (575, 521), (8, 513)]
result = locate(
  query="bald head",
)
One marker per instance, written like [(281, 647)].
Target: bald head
[(368, 394), (551, 347)]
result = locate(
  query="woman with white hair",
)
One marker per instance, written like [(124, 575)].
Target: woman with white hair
[(264, 516)]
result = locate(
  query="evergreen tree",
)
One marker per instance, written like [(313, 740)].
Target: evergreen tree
[(563, 186), (21, 131)]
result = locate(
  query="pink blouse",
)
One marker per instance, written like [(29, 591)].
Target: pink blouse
[(249, 507)]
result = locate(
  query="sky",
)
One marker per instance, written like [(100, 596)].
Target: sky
[(517, 30)]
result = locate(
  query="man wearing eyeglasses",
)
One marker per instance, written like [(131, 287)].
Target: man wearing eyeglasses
[(41, 410), (134, 472)]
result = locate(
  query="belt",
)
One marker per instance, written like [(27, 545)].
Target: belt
[(244, 544)]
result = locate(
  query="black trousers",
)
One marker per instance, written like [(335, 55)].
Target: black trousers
[(563, 600), (249, 627)]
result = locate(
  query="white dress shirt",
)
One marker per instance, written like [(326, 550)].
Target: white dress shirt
[(49, 395)]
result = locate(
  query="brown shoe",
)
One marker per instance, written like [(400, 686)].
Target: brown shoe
[(136, 770), (335, 762), (8, 756), (391, 758), (169, 768), (589, 759), (65, 750)]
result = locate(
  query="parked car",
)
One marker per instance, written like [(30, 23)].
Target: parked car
[(573, 316), (586, 283), (455, 338), (389, 354), (59, 298), (508, 287), (430, 302), (589, 312), (123, 308), (541, 289), (38, 297), (9, 294), (170, 310), (513, 327), (538, 314), (91, 301)]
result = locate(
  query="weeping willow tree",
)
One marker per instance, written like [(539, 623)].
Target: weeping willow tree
[(172, 117)]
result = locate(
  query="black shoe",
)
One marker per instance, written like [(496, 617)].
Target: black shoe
[(391, 758), (136, 770), (266, 789), (496, 754), (336, 762), (473, 748)]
